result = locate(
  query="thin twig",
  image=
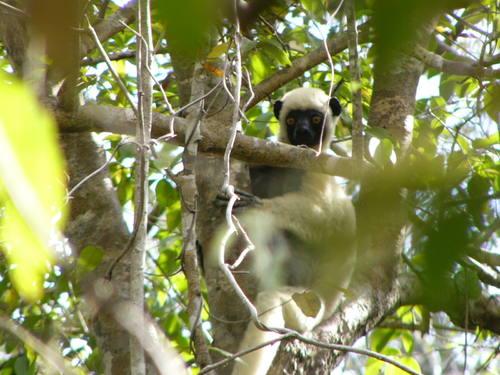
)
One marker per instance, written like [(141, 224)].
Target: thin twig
[(289, 334), (186, 183), (143, 134), (52, 356), (250, 88), (13, 8), (98, 170), (110, 67), (229, 93), (227, 188), (243, 352), (332, 72), (250, 246), (357, 106), (114, 56), (171, 134), (350, 349), (468, 24)]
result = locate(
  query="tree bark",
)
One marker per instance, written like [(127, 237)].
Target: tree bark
[(96, 220)]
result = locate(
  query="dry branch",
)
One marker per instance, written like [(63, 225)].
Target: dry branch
[(461, 68)]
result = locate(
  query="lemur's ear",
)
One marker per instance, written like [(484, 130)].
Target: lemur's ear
[(277, 108), (335, 106)]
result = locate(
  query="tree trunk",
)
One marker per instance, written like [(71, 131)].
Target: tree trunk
[(96, 220)]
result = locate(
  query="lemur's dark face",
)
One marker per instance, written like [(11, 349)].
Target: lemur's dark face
[(304, 127)]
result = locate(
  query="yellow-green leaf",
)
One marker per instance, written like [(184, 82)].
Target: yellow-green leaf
[(32, 186), (408, 362), (218, 51)]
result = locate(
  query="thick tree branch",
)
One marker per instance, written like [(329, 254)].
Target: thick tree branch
[(367, 307), (248, 149), (485, 274), (487, 257), (483, 312), (109, 27), (460, 68), (335, 45)]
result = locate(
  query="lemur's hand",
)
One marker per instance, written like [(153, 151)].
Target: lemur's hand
[(244, 200)]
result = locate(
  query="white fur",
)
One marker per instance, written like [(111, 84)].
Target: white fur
[(305, 98), (277, 309), (321, 213)]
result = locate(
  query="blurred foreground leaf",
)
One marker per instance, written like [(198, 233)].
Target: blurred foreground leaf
[(31, 187)]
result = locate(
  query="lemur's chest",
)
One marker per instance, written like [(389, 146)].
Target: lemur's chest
[(271, 182)]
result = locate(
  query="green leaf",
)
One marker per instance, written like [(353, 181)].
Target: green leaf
[(21, 366), (408, 341), (408, 362), (173, 217), (468, 283), (378, 132), (383, 153), (32, 187), (492, 101), (447, 87), (373, 367), (259, 67), (187, 25), (90, 257), (493, 139), (315, 8), (218, 51), (125, 190), (275, 51), (166, 194), (380, 338), (463, 143)]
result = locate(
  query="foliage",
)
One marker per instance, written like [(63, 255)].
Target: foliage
[(451, 192), (31, 188)]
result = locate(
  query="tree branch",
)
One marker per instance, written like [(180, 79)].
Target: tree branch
[(249, 149), (483, 312), (300, 65), (460, 68), (359, 314), (50, 354), (486, 275), (487, 257), (109, 27), (114, 56), (186, 184)]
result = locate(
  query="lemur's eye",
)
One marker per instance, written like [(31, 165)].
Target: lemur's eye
[(316, 120), (290, 121)]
